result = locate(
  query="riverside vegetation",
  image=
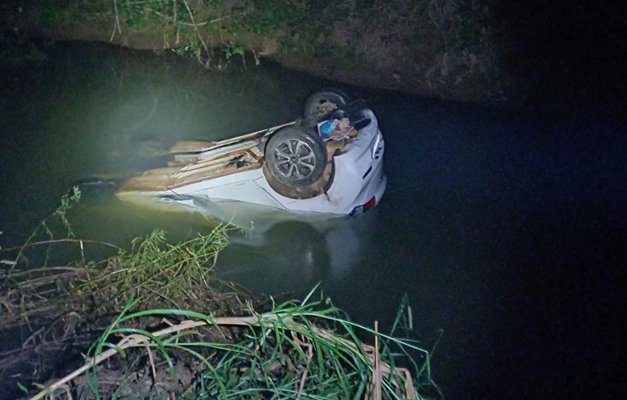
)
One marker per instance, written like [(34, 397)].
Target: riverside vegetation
[(553, 56), (440, 48), (152, 322)]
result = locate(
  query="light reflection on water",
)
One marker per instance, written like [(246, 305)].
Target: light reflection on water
[(487, 224), (272, 252), (102, 112)]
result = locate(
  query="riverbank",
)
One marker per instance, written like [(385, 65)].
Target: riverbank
[(153, 321), (482, 52)]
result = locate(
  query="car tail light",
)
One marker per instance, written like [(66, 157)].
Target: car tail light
[(364, 207), (371, 203)]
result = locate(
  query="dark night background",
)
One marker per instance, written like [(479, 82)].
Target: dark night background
[(573, 54)]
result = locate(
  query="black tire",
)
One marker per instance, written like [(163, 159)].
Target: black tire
[(324, 102), (296, 156)]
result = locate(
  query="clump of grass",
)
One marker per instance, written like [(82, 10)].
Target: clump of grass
[(153, 270), (54, 303), (305, 350), (153, 322), (157, 272)]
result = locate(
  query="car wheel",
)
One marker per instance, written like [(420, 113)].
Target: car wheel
[(296, 156), (324, 102)]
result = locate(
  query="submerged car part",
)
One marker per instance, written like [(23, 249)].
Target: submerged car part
[(287, 167)]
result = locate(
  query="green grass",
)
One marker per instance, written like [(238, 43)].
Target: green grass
[(153, 322), (199, 28), (296, 350)]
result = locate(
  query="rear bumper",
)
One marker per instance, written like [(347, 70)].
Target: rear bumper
[(373, 190)]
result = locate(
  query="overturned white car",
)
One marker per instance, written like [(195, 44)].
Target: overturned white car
[(329, 162)]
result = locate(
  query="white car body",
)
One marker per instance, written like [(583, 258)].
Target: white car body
[(357, 182)]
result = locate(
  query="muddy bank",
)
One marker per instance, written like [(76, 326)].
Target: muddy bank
[(153, 321), (483, 52), (412, 48)]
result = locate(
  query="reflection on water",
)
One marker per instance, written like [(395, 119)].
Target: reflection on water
[(271, 252), (505, 230), (295, 255)]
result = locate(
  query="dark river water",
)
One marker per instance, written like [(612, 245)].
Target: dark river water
[(506, 230)]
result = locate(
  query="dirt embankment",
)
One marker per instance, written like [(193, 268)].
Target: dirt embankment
[(438, 49), (382, 67), (477, 51)]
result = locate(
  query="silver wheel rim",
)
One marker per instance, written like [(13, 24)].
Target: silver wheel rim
[(294, 159)]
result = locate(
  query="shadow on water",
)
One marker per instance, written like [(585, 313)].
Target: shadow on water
[(506, 230)]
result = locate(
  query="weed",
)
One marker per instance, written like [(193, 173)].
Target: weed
[(166, 327)]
